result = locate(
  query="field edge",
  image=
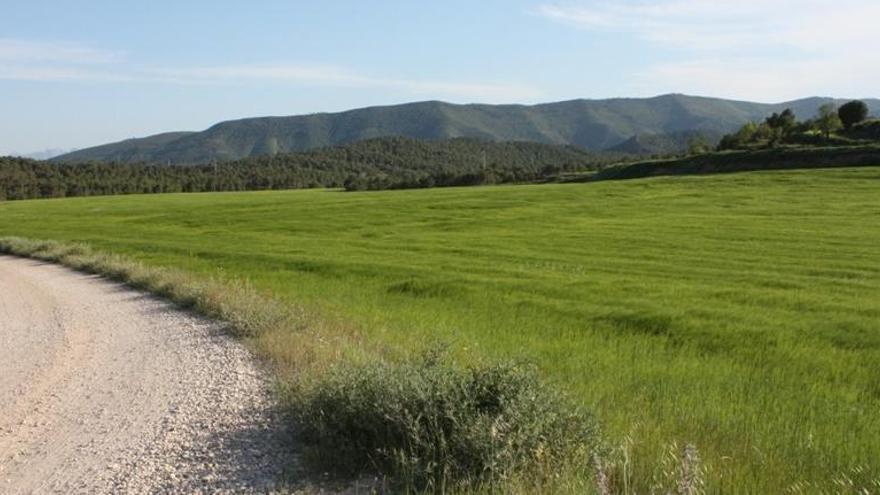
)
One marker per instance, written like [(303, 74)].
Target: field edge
[(259, 320)]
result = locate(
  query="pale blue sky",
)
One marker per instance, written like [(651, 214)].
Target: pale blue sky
[(74, 74)]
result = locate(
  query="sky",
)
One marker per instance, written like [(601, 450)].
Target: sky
[(76, 74)]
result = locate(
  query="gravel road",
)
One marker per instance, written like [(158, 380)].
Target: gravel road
[(107, 390)]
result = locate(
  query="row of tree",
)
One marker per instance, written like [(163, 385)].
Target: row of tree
[(373, 164), (831, 125)]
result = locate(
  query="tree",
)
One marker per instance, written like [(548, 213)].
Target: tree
[(741, 138), (782, 123), (828, 120), (698, 145), (852, 113), (785, 120)]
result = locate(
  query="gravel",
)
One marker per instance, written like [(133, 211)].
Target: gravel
[(104, 389)]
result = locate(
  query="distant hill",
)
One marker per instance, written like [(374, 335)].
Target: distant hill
[(45, 154), (590, 124), (128, 151), (665, 144)]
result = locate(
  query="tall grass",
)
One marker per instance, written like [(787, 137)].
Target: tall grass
[(247, 312), (735, 313), (426, 425)]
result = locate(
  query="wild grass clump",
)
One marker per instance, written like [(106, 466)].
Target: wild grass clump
[(620, 470), (434, 427)]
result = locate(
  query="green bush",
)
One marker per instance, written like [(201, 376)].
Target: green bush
[(430, 426)]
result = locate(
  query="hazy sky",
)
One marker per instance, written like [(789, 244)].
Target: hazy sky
[(74, 74)]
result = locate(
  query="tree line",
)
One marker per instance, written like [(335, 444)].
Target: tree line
[(384, 163), (832, 126)]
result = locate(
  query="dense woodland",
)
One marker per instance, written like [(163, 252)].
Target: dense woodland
[(384, 163)]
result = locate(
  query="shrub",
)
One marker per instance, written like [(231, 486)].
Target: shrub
[(431, 426), (868, 130), (853, 113), (828, 120)]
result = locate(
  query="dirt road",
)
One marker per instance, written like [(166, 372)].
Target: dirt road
[(107, 390)]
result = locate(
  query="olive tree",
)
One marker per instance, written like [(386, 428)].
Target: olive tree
[(852, 113), (828, 120)]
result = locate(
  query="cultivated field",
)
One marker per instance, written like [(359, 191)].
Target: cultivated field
[(738, 313)]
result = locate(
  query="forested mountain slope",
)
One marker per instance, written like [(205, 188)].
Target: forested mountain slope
[(589, 124)]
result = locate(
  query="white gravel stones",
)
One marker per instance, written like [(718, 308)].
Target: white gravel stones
[(106, 390)]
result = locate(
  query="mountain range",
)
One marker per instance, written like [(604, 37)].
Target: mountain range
[(43, 154), (634, 125)]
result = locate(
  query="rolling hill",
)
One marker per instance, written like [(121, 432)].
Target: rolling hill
[(590, 124)]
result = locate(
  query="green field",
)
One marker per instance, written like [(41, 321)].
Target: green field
[(739, 313)]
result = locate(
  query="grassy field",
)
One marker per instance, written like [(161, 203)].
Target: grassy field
[(739, 312)]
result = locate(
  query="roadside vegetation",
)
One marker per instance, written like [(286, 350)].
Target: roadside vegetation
[(720, 330), (422, 424)]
